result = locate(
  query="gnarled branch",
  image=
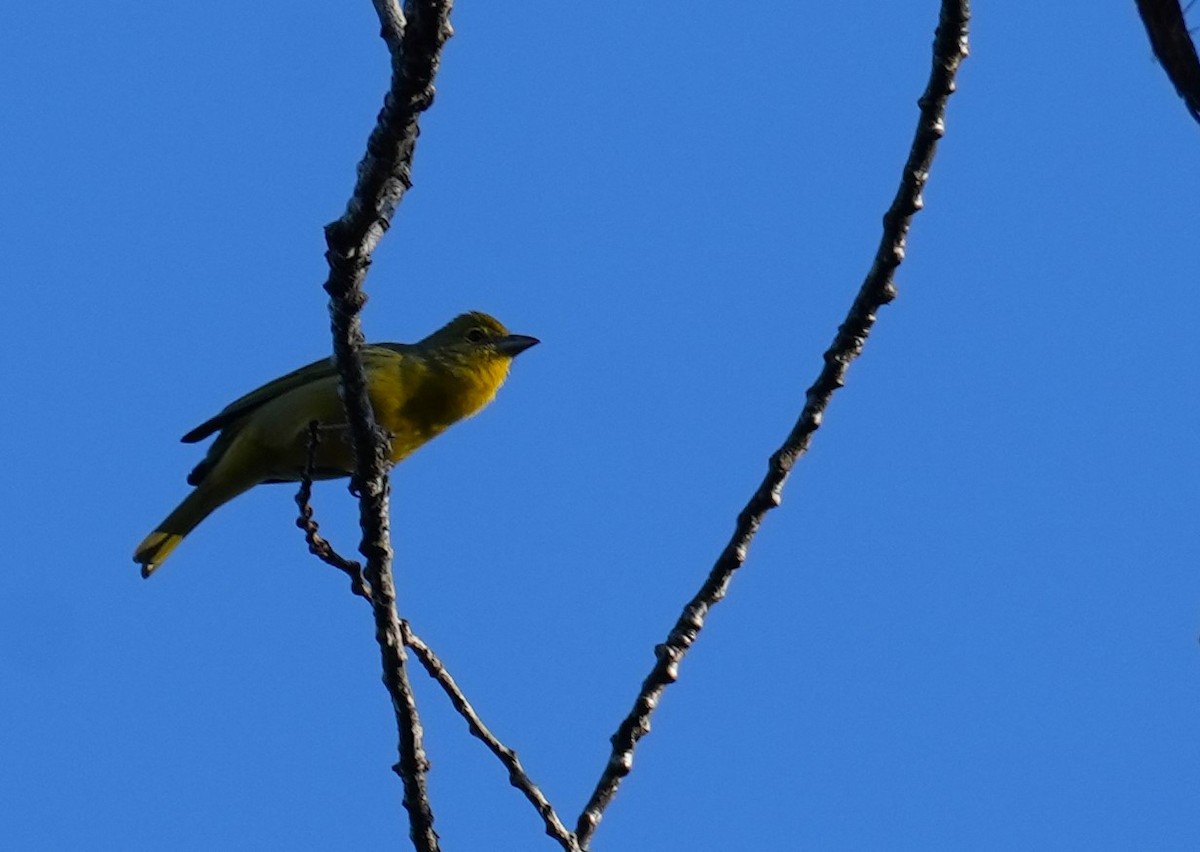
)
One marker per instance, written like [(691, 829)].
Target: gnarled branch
[(1172, 44), (414, 38), (949, 49)]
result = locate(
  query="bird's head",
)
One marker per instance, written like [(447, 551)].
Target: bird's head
[(476, 337)]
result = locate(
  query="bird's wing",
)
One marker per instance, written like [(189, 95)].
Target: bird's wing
[(315, 371)]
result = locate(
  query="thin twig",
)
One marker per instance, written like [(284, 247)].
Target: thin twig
[(1172, 44), (414, 38), (322, 549), (950, 47), (516, 773), (317, 545)]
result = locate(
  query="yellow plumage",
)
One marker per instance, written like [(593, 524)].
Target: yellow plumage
[(417, 391)]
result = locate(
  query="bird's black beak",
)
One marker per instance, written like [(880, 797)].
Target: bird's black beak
[(513, 345)]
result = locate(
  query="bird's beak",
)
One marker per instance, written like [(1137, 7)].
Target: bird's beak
[(514, 344)]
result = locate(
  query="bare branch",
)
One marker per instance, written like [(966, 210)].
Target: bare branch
[(516, 773), (950, 48), (1172, 44), (317, 545), (414, 38)]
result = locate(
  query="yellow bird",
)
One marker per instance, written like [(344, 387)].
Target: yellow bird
[(417, 391)]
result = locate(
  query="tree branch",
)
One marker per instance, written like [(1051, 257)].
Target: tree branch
[(317, 545), (414, 38), (1172, 44), (949, 49), (516, 773), (323, 550)]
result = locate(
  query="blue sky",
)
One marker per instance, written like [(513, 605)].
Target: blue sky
[(973, 622)]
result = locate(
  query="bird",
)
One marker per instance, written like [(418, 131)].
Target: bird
[(417, 391)]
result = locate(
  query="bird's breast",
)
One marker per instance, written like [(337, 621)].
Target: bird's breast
[(417, 401)]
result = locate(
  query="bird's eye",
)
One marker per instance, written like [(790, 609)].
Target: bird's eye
[(476, 335)]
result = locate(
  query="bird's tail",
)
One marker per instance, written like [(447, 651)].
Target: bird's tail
[(197, 506)]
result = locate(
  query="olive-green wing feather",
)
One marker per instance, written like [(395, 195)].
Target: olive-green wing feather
[(242, 406), (245, 404)]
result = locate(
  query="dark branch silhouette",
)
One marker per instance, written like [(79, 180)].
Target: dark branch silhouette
[(516, 773), (322, 549), (317, 545), (1172, 44), (414, 39), (949, 49)]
